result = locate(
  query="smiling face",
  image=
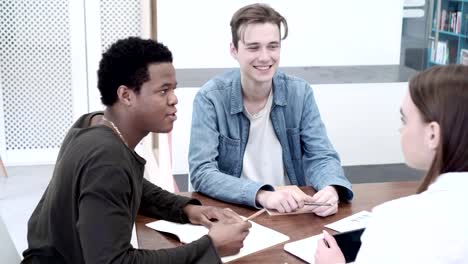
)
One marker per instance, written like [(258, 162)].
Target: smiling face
[(419, 139), (155, 104), (258, 52)]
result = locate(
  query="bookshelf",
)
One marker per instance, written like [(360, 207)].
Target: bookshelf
[(448, 41)]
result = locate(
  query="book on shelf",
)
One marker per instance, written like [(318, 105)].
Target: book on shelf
[(451, 21), (443, 19), (464, 56), (440, 54), (459, 20)]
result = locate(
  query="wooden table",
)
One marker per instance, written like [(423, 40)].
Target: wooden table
[(366, 196)]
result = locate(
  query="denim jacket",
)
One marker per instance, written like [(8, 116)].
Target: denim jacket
[(220, 131)]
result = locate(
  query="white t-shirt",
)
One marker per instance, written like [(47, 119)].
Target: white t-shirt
[(263, 158), (430, 227)]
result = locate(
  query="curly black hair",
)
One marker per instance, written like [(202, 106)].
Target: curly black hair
[(126, 63)]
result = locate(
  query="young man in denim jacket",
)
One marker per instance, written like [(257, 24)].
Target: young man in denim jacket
[(256, 127)]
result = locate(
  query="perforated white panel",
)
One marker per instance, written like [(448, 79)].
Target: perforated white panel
[(35, 72), (119, 19)]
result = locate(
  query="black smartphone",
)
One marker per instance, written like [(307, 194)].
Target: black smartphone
[(349, 243)]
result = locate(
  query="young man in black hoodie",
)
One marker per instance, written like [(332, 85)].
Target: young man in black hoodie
[(87, 213)]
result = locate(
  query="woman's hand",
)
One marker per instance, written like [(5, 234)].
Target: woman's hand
[(328, 250)]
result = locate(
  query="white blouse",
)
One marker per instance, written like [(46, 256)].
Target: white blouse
[(431, 227)]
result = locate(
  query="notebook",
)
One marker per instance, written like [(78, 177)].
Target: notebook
[(260, 237)]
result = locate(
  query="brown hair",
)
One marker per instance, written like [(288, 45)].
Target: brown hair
[(441, 95), (252, 14)]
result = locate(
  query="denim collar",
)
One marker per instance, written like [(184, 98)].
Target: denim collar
[(279, 92)]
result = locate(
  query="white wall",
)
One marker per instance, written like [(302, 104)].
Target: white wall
[(362, 119), (362, 122), (181, 130), (322, 32)]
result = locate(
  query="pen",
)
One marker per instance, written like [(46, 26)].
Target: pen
[(326, 243), (324, 240), (255, 214), (318, 204)]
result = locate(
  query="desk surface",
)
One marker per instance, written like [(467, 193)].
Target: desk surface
[(366, 196)]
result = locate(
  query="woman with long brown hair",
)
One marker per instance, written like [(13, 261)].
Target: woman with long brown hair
[(428, 227)]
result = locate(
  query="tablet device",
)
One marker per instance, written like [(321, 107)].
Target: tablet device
[(349, 243)]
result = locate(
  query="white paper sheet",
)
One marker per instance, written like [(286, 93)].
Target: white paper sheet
[(260, 237), (352, 222), (134, 239), (185, 232), (304, 248)]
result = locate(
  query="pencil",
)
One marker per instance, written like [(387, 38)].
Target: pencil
[(255, 214), (318, 204)]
